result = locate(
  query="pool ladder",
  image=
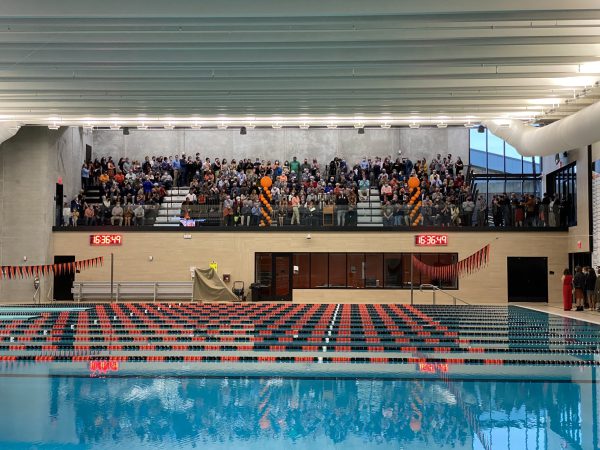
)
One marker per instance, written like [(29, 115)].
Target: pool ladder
[(435, 289)]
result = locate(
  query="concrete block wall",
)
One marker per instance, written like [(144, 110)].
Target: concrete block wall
[(30, 164), (282, 144)]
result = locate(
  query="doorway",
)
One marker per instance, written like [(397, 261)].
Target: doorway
[(63, 282), (274, 276), (527, 279), (88, 153)]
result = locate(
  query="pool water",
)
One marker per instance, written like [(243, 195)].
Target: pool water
[(128, 412)]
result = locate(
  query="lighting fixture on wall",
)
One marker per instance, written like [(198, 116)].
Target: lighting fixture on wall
[(277, 126), (169, 126), (250, 126), (304, 126), (442, 125), (222, 126), (196, 126), (150, 258), (469, 125), (414, 125), (54, 126), (385, 125), (332, 126), (142, 127), (88, 126), (115, 127)]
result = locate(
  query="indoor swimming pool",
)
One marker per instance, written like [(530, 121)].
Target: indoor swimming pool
[(275, 376)]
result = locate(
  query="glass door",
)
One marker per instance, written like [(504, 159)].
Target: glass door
[(282, 276)]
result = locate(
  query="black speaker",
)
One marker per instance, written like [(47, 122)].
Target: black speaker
[(59, 194), (243, 130), (361, 131), (481, 129)]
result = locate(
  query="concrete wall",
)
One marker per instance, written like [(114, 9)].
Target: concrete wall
[(285, 143), (30, 164), (234, 252)]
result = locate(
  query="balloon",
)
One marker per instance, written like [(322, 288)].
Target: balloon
[(413, 182), (266, 182)]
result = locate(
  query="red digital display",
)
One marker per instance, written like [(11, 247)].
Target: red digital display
[(106, 239), (431, 240)]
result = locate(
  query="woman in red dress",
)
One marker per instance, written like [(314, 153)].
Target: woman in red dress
[(567, 280)]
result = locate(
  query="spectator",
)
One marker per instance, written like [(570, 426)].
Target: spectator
[(66, 215), (468, 207), (89, 215), (117, 215), (387, 211)]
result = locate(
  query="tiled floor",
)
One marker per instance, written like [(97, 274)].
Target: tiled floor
[(587, 315)]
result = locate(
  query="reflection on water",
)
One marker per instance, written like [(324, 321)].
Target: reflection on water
[(270, 413)]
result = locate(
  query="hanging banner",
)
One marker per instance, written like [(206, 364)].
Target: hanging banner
[(467, 266), (12, 272)]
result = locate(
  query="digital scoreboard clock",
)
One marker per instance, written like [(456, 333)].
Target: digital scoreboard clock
[(431, 240), (106, 239)]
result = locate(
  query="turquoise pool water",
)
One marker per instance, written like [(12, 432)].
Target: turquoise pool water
[(186, 412)]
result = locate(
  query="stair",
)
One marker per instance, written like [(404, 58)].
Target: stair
[(170, 208), (369, 212)]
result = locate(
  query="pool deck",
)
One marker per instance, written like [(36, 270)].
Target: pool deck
[(557, 310)]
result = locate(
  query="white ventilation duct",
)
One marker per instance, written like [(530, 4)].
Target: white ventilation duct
[(575, 131), (8, 130)]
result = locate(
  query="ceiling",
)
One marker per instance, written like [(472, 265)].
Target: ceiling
[(319, 62)]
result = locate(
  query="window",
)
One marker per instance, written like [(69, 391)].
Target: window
[(355, 270), (562, 184)]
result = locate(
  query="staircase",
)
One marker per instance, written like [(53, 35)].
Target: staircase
[(369, 212), (170, 208), (92, 195)]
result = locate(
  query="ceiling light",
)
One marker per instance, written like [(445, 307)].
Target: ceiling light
[(169, 126), (222, 126), (54, 126), (442, 125), (304, 126), (413, 125), (115, 127), (385, 125), (332, 126)]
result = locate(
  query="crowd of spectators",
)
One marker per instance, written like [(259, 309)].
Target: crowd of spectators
[(302, 191), (128, 190)]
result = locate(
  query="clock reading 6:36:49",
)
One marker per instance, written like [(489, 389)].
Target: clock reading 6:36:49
[(106, 239), (431, 240)]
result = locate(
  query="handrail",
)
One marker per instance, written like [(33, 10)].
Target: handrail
[(435, 288)]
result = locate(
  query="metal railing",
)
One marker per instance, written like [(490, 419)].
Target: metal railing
[(435, 289)]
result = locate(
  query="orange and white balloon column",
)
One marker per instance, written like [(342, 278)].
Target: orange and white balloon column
[(265, 201), (414, 203)]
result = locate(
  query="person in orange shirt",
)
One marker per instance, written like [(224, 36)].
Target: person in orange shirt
[(295, 202)]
